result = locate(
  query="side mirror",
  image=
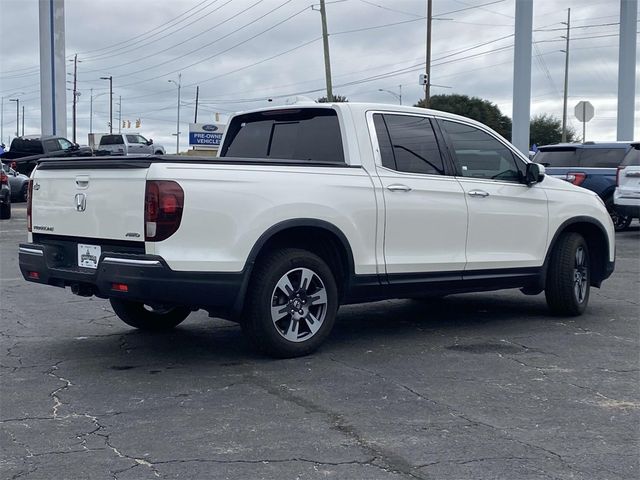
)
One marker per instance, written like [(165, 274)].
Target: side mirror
[(534, 174), (150, 142)]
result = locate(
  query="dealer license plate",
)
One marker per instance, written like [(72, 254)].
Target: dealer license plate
[(88, 255)]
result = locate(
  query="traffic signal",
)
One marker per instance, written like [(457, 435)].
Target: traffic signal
[(108, 124), (138, 122), (128, 123), (124, 124)]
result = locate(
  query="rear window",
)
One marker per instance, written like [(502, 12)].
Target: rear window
[(581, 157), (632, 158), (27, 145), (111, 140), (309, 134)]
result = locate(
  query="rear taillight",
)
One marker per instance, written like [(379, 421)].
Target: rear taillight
[(4, 180), (163, 203), (575, 177), (29, 204), (618, 176)]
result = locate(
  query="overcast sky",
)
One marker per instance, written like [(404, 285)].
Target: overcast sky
[(242, 52)]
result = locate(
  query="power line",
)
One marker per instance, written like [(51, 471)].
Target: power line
[(391, 9), (181, 69), (113, 67), (467, 8)]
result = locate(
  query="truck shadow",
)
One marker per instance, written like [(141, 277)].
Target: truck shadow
[(401, 322)]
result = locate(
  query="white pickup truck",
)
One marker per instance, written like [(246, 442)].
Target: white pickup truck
[(128, 144), (309, 207)]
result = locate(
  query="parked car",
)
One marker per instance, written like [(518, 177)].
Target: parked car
[(19, 183), (128, 144), (26, 151), (591, 165), (627, 194), (311, 206), (5, 195)]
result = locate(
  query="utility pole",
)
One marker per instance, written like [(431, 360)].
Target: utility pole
[(17, 100), (325, 44), (91, 111), (23, 120), (566, 79), (195, 118), (110, 78), (119, 113), (523, 37), (427, 86), (75, 94), (179, 85)]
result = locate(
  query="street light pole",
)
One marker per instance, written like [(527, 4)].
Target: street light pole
[(398, 96), (110, 78), (17, 100), (566, 79), (179, 85)]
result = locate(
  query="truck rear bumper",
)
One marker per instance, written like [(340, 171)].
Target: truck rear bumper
[(144, 278)]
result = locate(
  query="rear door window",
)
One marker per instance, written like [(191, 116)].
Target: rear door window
[(111, 140), (308, 134), (557, 158), (132, 139), (51, 145), (408, 144)]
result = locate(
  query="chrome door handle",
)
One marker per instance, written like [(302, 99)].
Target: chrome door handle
[(396, 187), (478, 193)]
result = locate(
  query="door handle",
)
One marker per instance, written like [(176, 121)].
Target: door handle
[(478, 193), (396, 187), (632, 174)]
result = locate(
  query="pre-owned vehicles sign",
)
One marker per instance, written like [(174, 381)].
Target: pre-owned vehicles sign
[(206, 134)]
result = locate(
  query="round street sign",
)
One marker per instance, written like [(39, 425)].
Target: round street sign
[(584, 111)]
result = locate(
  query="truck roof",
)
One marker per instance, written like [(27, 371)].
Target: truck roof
[(588, 145)]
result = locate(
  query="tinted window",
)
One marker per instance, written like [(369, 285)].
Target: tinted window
[(411, 145), (132, 139), (51, 145), (581, 157), (601, 157), (557, 158), (111, 140), (302, 134), (632, 158), (479, 155)]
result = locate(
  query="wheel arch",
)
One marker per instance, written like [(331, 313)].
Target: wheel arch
[(318, 236), (597, 240)]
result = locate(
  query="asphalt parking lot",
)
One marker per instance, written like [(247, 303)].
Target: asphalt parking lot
[(481, 386)]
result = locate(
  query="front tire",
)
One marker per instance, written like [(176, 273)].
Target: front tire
[(291, 303), (144, 317), (569, 276), (24, 193)]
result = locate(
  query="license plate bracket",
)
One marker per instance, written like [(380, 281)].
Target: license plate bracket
[(88, 255)]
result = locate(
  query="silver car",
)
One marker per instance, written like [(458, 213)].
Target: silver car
[(19, 183)]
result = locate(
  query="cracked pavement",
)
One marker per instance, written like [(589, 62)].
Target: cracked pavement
[(480, 386)]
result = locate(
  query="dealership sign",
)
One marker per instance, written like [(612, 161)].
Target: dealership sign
[(206, 134)]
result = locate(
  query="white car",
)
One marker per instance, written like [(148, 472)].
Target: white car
[(309, 207), (627, 194), (128, 144)]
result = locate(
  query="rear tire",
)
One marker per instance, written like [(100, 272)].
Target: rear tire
[(139, 315), (620, 221), (569, 276), (291, 303), (5, 210)]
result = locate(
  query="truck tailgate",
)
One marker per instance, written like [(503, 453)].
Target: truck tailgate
[(102, 202)]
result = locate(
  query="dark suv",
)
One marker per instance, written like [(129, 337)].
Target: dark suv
[(5, 195), (589, 165)]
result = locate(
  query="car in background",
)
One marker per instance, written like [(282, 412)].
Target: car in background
[(128, 144), (627, 193), (590, 165), (5, 195), (18, 182), (27, 151)]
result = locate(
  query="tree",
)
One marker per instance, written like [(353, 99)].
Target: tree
[(336, 98), (546, 130), (476, 108)]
